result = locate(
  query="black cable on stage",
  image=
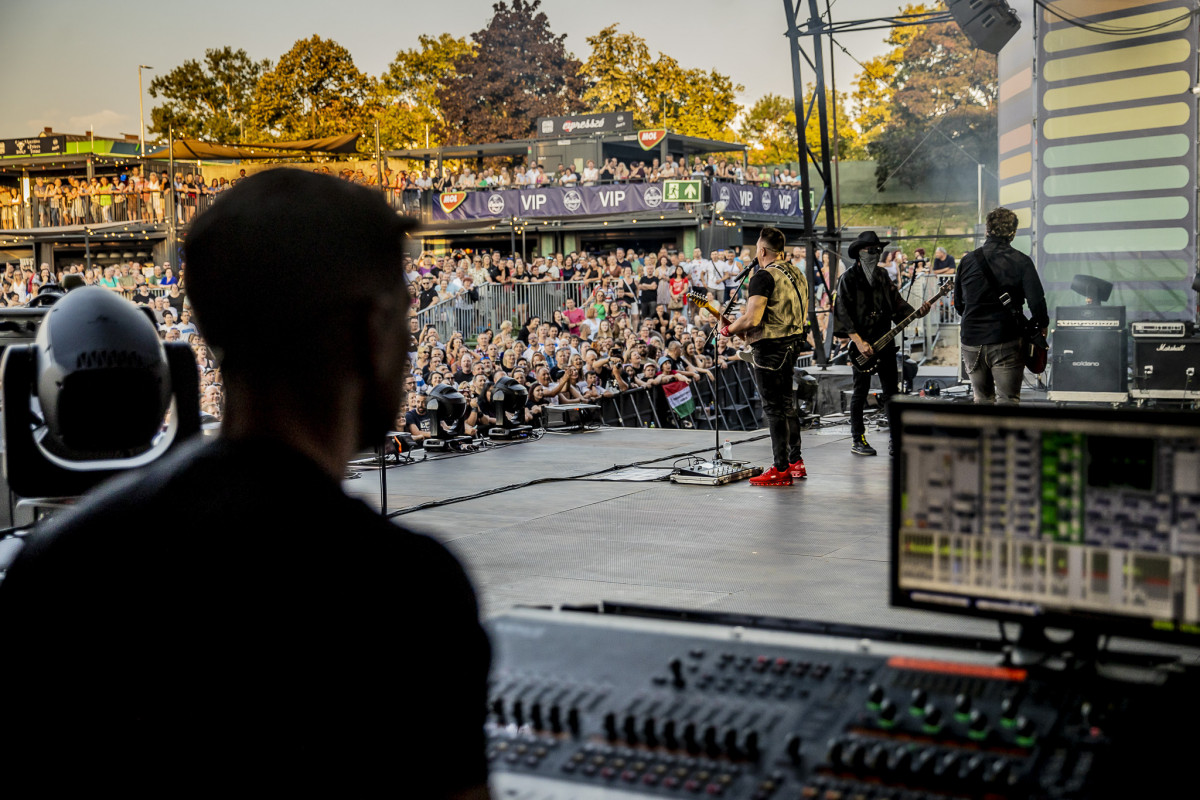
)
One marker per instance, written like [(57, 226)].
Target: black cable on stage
[(556, 479)]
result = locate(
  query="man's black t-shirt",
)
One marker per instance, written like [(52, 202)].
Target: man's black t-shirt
[(648, 289), (762, 283), (427, 298), (460, 376), (230, 612), (423, 422)]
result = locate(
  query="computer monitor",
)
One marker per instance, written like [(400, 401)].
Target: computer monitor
[(1080, 518)]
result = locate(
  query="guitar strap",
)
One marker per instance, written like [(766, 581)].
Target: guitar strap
[(1005, 298), (787, 270)]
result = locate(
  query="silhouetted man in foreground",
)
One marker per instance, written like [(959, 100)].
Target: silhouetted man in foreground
[(228, 613)]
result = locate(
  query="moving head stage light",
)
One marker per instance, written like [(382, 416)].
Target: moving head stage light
[(508, 400), (447, 410), (93, 345)]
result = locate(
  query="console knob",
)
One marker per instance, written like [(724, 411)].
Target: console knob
[(649, 734), (1008, 709), (1026, 728), (610, 725), (887, 711), (833, 754), (677, 673), (556, 719), (933, 716), (923, 762), (996, 772), (852, 755), (875, 694), (573, 721), (793, 748), (979, 722), (535, 716), (750, 745), (689, 738), (498, 709), (518, 713), (947, 765), (668, 734), (631, 731), (730, 742), (919, 698), (962, 704), (711, 745), (876, 759), (972, 770), (900, 760)]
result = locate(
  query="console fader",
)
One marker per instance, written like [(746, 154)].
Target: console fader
[(585, 706)]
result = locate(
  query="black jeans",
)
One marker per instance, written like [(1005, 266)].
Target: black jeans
[(888, 386), (774, 365)]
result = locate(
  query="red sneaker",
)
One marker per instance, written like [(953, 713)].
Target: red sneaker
[(772, 477), (797, 470)]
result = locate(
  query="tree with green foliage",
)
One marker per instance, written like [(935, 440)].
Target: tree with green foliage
[(520, 71), (769, 127), (208, 101), (934, 106), (314, 91), (407, 94), (621, 74)]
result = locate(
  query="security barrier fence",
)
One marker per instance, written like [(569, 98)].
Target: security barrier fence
[(735, 404), (516, 302)]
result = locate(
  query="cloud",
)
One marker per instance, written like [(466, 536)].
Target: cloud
[(107, 122)]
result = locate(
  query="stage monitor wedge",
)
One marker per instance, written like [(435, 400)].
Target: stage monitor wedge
[(988, 24)]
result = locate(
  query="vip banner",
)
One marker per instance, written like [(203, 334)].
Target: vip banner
[(615, 198), (552, 201), (757, 199)]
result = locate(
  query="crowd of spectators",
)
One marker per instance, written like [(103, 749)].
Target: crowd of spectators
[(625, 323), (534, 174)]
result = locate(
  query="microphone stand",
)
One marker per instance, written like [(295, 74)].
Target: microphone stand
[(712, 337), (912, 279)]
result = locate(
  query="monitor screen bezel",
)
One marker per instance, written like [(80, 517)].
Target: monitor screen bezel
[(1080, 621)]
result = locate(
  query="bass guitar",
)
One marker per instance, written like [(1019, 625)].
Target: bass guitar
[(869, 363)]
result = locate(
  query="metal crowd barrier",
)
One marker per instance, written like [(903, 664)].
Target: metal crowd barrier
[(516, 302), (942, 315), (141, 206), (736, 406)]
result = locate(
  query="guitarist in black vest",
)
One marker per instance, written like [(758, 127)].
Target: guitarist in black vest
[(990, 332), (773, 323), (867, 304)]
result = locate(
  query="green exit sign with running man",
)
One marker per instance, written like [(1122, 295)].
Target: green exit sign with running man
[(681, 191)]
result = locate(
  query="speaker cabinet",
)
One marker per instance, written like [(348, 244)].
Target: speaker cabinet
[(1089, 365), (988, 24), (1166, 369)]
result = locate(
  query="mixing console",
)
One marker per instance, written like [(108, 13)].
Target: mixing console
[(587, 706)]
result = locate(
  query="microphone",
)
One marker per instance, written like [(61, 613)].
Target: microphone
[(746, 271)]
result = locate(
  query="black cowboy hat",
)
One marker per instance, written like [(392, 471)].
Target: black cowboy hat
[(865, 239)]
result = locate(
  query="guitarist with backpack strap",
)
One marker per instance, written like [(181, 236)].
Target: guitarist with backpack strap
[(993, 285), (867, 304)]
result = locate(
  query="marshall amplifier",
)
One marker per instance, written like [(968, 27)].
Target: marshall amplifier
[(1166, 368), (1088, 355)]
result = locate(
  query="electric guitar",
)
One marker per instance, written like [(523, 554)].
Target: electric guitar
[(869, 363), (700, 300)]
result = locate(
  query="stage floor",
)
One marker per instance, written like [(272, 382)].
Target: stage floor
[(817, 550)]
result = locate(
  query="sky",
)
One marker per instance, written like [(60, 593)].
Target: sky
[(77, 60)]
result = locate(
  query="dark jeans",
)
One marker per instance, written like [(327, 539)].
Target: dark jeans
[(648, 307), (888, 386), (774, 365)]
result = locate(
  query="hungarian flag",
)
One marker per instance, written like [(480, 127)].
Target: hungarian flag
[(679, 395)]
